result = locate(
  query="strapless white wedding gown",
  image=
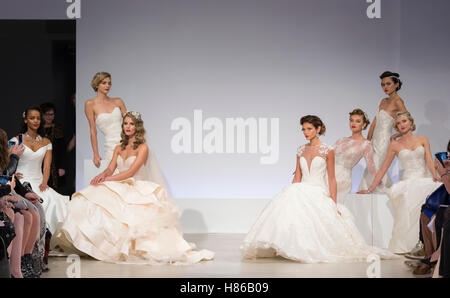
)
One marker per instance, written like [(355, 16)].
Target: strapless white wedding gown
[(54, 204), (407, 197), (348, 152), (302, 222), (380, 143), (110, 124), (130, 221)]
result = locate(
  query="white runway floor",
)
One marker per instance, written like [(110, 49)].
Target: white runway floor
[(227, 264)]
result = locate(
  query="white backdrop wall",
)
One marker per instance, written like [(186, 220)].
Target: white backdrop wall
[(258, 59)]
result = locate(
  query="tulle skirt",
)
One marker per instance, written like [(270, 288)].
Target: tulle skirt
[(302, 223)]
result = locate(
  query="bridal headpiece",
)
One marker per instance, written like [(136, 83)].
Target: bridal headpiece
[(135, 114)]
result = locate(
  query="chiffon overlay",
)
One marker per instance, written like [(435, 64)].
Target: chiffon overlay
[(130, 221), (54, 204), (302, 222), (380, 143), (407, 197), (348, 152)]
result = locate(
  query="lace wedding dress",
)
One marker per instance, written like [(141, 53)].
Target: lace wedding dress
[(302, 222), (380, 143), (348, 152), (407, 197)]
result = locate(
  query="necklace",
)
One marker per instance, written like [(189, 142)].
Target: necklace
[(36, 140)]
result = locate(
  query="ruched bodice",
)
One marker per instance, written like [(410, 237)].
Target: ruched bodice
[(413, 163), (123, 165), (110, 124)]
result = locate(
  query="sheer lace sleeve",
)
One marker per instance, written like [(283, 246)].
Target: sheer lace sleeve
[(368, 156), (324, 149), (300, 150)]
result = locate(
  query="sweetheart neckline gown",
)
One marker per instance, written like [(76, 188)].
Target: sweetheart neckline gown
[(131, 221), (302, 223), (407, 197)]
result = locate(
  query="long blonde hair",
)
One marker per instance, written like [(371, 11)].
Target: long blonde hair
[(139, 133)]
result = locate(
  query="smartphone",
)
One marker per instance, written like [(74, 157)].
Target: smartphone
[(4, 179), (11, 143), (441, 156), (20, 139)]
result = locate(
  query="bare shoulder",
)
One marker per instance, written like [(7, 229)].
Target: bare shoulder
[(117, 101), (142, 148), (89, 105), (46, 141)]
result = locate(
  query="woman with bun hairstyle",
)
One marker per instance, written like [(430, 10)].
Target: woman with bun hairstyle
[(419, 179), (350, 150), (303, 222), (380, 131)]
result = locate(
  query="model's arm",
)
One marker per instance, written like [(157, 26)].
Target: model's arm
[(383, 169), (89, 111), (298, 172), (109, 170), (46, 169), (331, 175), (140, 160), (371, 129), (122, 106), (429, 159), (400, 105)]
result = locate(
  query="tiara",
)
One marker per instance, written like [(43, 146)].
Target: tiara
[(135, 114)]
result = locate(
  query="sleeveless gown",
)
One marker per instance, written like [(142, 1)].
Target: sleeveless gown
[(110, 124), (407, 197), (54, 204), (348, 152), (380, 143), (302, 223), (130, 221)]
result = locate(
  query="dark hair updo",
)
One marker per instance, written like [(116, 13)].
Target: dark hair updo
[(314, 121), (395, 77)]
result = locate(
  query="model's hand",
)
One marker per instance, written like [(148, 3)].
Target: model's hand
[(395, 136), (437, 179), (61, 172), (97, 160), (98, 179), (363, 192), (43, 187)]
